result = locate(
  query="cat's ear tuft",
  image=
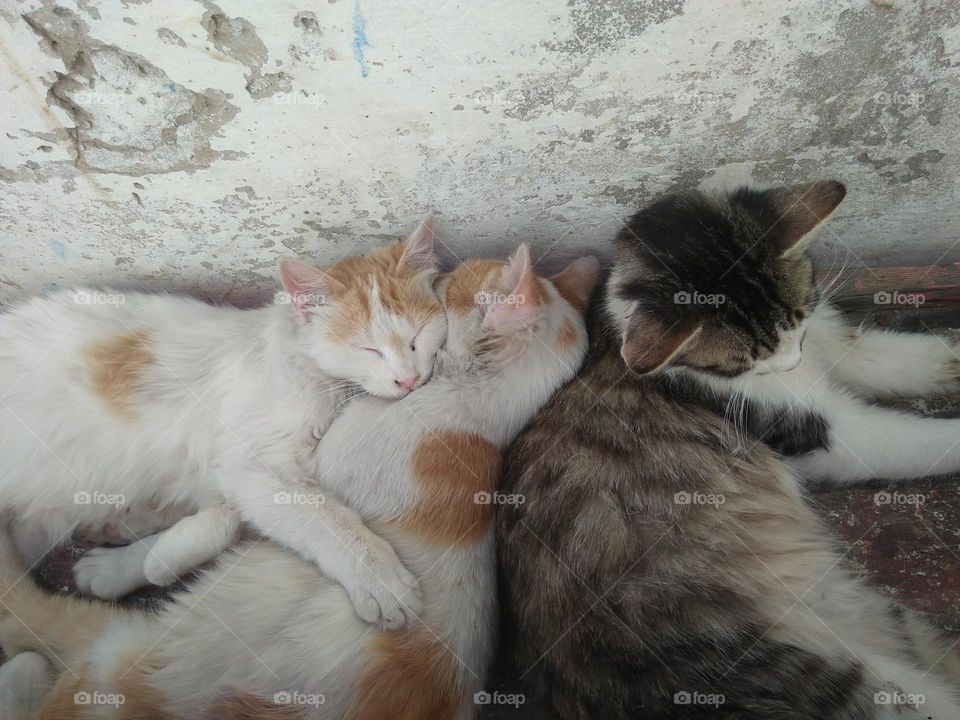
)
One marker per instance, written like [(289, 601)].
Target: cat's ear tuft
[(576, 282), (418, 252), (307, 287), (516, 305), (649, 345), (803, 208)]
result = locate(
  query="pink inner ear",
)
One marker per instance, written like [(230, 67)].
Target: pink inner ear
[(576, 281), (517, 306), (418, 249), (307, 286)]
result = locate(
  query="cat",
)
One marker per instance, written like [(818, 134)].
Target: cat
[(265, 635), (666, 566), (813, 406), (153, 401)]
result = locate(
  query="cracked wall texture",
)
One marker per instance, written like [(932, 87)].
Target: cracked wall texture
[(190, 144)]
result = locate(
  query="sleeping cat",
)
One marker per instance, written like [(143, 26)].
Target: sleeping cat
[(666, 566), (153, 401), (264, 635), (743, 351)]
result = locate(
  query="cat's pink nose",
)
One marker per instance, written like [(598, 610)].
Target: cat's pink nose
[(407, 383)]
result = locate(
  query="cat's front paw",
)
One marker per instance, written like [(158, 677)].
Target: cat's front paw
[(165, 568), (383, 591), (110, 573)]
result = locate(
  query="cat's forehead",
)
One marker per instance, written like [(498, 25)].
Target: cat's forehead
[(380, 295), (468, 280)]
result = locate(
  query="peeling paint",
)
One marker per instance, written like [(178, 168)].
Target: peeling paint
[(129, 116), (190, 144)]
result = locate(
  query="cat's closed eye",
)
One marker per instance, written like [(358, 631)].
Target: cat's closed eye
[(413, 343)]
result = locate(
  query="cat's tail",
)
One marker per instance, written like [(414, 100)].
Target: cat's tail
[(60, 627)]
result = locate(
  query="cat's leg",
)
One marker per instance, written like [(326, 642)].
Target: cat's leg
[(24, 681), (158, 559), (325, 532), (883, 363), (190, 542), (31, 540), (866, 442), (112, 572)]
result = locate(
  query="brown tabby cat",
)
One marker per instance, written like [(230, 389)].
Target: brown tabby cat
[(655, 569)]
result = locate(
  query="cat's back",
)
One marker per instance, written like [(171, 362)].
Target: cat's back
[(615, 527), (84, 315)]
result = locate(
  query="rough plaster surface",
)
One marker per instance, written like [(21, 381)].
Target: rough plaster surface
[(190, 144)]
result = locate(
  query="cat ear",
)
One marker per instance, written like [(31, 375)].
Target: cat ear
[(307, 286), (803, 208), (649, 345), (418, 252), (576, 282), (516, 305)]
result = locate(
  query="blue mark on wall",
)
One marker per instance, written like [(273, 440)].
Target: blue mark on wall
[(58, 249), (360, 39)]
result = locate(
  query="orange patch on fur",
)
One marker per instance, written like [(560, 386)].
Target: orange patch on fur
[(568, 337), (401, 291), (451, 469), (141, 701), (250, 707), (60, 703), (472, 277), (412, 677), (117, 367), (134, 699), (468, 279)]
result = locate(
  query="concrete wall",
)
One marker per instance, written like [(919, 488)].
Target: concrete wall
[(191, 144)]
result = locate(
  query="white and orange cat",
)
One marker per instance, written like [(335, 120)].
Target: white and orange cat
[(151, 402), (264, 634)]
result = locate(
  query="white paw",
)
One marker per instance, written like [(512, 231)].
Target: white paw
[(161, 570), (110, 573), (384, 592)]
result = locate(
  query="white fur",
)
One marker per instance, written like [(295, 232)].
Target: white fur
[(264, 622), (227, 409), (839, 371), (24, 681)]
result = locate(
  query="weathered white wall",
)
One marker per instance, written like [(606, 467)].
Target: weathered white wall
[(190, 144)]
